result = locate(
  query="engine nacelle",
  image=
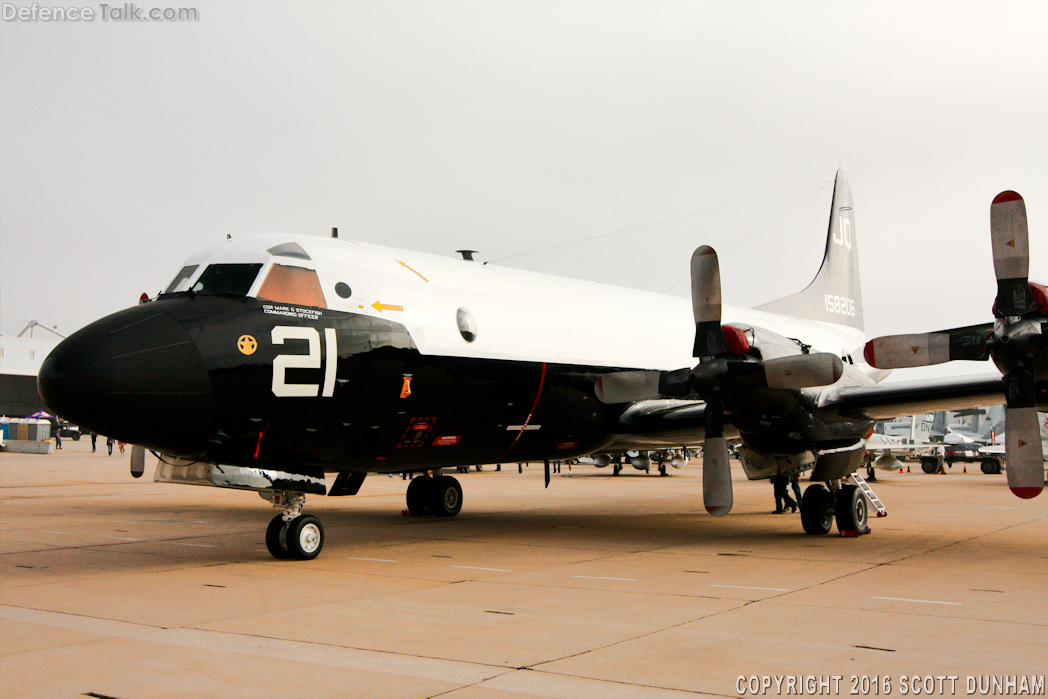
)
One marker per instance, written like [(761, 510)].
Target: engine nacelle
[(759, 466)]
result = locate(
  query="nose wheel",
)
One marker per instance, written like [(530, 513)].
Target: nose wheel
[(293, 534)]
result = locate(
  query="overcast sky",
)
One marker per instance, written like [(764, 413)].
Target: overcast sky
[(508, 127)]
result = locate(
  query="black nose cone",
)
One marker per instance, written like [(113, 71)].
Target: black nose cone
[(136, 376)]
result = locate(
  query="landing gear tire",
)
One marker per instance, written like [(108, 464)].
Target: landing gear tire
[(851, 510), (276, 538), (990, 466), (305, 537), (816, 510), (929, 465), (445, 497), (418, 496)]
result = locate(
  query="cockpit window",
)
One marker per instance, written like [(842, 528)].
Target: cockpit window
[(292, 285), (289, 250), (235, 279), (181, 282)]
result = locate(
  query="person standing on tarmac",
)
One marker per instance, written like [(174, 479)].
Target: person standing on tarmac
[(783, 501), (795, 483)]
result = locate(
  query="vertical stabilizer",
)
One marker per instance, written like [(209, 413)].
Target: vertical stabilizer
[(939, 425), (835, 295)]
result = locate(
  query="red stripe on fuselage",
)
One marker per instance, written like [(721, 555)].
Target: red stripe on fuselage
[(524, 427)]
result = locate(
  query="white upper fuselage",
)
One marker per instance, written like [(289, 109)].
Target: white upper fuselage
[(520, 315)]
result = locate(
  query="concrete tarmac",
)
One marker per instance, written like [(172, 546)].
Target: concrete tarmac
[(599, 586)]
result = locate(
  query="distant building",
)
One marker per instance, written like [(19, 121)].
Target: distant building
[(20, 360)]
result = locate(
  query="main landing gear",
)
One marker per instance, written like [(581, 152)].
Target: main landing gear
[(434, 495), (293, 534), (845, 503)]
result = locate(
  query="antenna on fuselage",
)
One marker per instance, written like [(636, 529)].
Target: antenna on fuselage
[(467, 255), (334, 232)]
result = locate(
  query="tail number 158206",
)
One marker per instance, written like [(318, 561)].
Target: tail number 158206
[(839, 304)]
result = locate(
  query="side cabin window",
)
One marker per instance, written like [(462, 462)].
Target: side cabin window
[(292, 285), (181, 282), (234, 279)]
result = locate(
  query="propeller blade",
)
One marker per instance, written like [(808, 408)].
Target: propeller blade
[(706, 303), (627, 386), (1010, 238), (924, 349), (1022, 436), (803, 370), (716, 472), (632, 386), (1022, 446)]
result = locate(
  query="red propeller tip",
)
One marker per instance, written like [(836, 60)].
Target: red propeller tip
[(1027, 493), (1008, 195), (867, 354)]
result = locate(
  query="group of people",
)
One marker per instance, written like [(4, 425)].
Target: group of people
[(110, 443), (783, 501)]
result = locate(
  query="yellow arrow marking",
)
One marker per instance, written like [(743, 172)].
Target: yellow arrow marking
[(1011, 243), (413, 270), (1021, 444), (386, 307), (915, 349)]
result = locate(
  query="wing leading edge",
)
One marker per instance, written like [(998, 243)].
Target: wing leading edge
[(885, 401)]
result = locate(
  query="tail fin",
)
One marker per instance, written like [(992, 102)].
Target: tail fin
[(835, 296), (939, 426)]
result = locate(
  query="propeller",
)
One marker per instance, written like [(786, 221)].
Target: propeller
[(727, 365), (723, 367), (1015, 341), (717, 494)]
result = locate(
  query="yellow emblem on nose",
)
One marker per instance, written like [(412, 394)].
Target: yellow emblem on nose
[(246, 344)]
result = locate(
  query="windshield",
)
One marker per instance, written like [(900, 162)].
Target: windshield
[(235, 279)]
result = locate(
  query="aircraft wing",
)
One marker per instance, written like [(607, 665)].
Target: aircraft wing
[(649, 424), (884, 401)]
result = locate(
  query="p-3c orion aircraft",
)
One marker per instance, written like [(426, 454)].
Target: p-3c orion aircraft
[(273, 361)]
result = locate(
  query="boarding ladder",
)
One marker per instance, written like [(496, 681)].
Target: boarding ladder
[(868, 492)]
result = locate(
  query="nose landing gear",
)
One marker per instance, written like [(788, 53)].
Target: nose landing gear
[(292, 534)]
